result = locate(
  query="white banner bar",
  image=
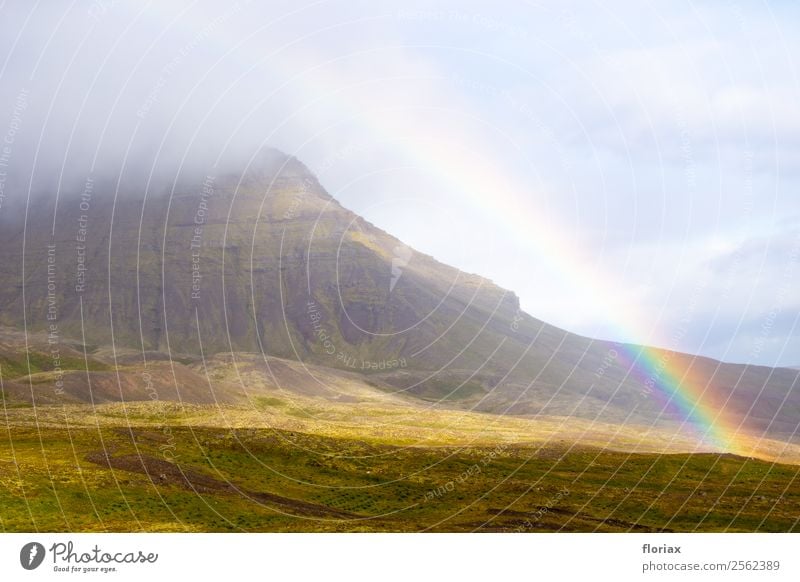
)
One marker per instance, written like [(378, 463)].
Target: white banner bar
[(400, 557)]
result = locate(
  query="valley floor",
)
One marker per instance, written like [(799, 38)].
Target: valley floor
[(77, 469)]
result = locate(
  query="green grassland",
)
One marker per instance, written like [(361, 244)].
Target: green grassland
[(206, 478), (17, 365)]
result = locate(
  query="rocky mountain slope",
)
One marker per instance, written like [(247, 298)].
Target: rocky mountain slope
[(265, 262)]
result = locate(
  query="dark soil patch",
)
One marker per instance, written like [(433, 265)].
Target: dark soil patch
[(162, 472)]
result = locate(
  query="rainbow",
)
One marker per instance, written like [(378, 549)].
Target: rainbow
[(478, 176), (489, 189), (660, 374)]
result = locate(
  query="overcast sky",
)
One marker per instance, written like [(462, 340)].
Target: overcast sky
[(629, 169)]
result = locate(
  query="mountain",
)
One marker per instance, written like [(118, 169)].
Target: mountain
[(265, 261)]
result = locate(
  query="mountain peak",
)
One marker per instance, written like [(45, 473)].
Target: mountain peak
[(281, 181), (270, 162)]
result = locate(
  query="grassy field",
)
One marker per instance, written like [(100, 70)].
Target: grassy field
[(100, 475)]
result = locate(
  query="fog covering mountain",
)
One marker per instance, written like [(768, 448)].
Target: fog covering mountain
[(264, 260)]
